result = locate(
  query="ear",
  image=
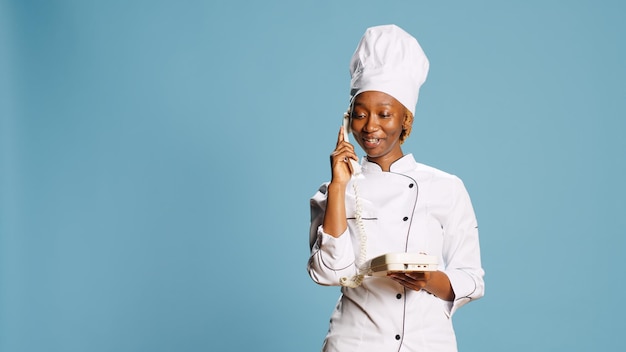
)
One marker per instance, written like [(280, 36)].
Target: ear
[(407, 125), (408, 121)]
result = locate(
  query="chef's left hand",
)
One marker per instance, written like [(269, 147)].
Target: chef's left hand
[(415, 280)]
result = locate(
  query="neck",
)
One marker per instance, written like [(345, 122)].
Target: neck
[(386, 160)]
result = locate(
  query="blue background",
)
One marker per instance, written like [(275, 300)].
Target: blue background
[(157, 157)]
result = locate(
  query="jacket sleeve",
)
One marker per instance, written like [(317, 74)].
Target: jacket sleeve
[(331, 258), (461, 249)]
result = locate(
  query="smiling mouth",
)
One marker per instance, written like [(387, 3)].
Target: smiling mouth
[(371, 142)]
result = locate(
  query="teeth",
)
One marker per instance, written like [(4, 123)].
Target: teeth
[(373, 140)]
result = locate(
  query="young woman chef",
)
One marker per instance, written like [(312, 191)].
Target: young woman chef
[(394, 205)]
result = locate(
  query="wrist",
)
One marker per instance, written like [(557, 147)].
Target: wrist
[(335, 187)]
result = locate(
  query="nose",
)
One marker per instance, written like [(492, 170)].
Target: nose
[(371, 124)]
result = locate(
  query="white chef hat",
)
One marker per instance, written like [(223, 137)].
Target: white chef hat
[(391, 61)]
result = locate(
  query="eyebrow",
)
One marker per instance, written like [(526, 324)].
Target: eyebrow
[(381, 104)]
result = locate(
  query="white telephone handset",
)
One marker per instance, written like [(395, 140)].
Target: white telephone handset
[(355, 167)]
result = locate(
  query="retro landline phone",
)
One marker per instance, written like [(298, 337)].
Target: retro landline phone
[(387, 263), (355, 167)]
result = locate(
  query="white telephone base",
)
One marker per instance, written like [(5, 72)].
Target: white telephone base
[(400, 262)]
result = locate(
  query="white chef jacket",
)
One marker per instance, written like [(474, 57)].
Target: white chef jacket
[(411, 208)]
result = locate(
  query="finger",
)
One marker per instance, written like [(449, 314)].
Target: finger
[(418, 275), (406, 283), (344, 150), (340, 138), (341, 155), (402, 278), (339, 161)]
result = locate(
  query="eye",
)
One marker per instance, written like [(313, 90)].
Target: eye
[(385, 114), (358, 115)]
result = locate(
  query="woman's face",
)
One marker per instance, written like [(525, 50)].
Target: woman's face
[(377, 121)]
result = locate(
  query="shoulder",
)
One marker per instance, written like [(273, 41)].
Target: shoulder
[(433, 174), (409, 166), (437, 184), (319, 198)]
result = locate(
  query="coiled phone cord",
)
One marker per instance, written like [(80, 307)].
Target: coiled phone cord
[(357, 279)]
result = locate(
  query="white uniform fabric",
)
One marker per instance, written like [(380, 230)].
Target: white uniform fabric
[(412, 208)]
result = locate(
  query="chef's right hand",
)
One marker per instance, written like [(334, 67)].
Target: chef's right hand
[(340, 160)]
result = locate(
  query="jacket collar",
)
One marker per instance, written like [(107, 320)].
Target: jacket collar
[(405, 164)]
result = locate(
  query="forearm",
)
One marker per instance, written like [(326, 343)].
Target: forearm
[(335, 222), (439, 285)]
